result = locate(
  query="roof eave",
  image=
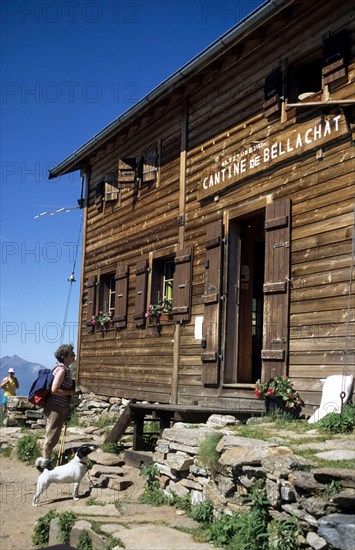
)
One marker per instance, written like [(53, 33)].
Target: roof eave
[(259, 16)]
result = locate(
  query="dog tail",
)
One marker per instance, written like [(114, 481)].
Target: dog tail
[(42, 464)]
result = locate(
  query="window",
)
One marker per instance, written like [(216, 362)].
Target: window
[(162, 280), (305, 77), (107, 293)]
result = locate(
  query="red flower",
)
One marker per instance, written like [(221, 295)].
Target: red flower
[(270, 391), (257, 393)]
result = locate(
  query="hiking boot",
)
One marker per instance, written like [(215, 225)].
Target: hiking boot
[(42, 463)]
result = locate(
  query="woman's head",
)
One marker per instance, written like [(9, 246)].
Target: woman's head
[(63, 352)]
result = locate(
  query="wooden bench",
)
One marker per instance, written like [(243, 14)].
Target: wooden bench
[(167, 414)]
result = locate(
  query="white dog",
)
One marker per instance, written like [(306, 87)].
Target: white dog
[(73, 472)]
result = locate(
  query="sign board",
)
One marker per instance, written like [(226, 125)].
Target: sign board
[(234, 164)]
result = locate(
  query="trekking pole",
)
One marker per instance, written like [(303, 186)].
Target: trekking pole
[(61, 447)]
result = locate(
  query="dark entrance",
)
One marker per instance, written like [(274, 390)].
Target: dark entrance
[(244, 307)]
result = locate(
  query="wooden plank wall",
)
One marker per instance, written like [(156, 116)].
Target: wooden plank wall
[(225, 110)]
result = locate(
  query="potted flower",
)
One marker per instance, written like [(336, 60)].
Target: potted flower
[(102, 320), (160, 313), (279, 393)]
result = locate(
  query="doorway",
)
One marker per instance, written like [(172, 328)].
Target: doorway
[(244, 300)]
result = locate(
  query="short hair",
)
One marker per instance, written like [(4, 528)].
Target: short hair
[(63, 352)]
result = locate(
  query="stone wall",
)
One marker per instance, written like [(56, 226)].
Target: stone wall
[(292, 487), (89, 408)]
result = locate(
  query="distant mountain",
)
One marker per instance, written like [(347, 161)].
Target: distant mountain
[(25, 371)]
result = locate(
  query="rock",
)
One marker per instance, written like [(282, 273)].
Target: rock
[(345, 499), (97, 470), (119, 484), (327, 475), (232, 441), (254, 455), (305, 481), (106, 459), (213, 495), (317, 506), (315, 541), (273, 493), (187, 436), (177, 488), (98, 543), (338, 530), (54, 532), (281, 466), (221, 420), (294, 510), (179, 461), (288, 493), (197, 497), (336, 455)]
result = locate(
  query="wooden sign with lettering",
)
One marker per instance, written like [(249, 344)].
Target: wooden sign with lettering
[(263, 154)]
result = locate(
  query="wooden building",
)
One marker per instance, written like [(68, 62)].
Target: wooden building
[(229, 191)]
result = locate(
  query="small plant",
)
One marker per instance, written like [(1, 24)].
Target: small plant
[(112, 542), (40, 536), (27, 448), (102, 320), (84, 541), (5, 451), (152, 494), (105, 420), (66, 523), (282, 387), (155, 310), (203, 512), (114, 448), (207, 453), (94, 502), (334, 487), (335, 423), (285, 535)]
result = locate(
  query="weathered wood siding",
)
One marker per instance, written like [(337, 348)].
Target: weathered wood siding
[(225, 112)]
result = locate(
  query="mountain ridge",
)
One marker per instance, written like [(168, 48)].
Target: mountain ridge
[(25, 371)]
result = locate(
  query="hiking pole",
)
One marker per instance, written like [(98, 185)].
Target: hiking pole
[(61, 447)]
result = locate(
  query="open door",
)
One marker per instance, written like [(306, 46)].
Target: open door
[(244, 304)]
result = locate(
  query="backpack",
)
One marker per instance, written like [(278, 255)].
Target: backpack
[(41, 387)]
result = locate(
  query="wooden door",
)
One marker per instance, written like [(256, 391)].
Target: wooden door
[(276, 289)]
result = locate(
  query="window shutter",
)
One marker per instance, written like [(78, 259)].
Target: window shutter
[(91, 299), (121, 301), (150, 165), (335, 52), (212, 301), (99, 194), (182, 285), (127, 176), (273, 92), (141, 293), (276, 288)]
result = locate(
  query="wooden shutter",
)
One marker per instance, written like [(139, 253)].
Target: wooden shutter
[(127, 176), (212, 299), (182, 285), (121, 298), (273, 93), (335, 50), (91, 299), (99, 194), (141, 293), (276, 288), (150, 165)]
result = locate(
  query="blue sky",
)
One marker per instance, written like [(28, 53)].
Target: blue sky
[(69, 68)]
